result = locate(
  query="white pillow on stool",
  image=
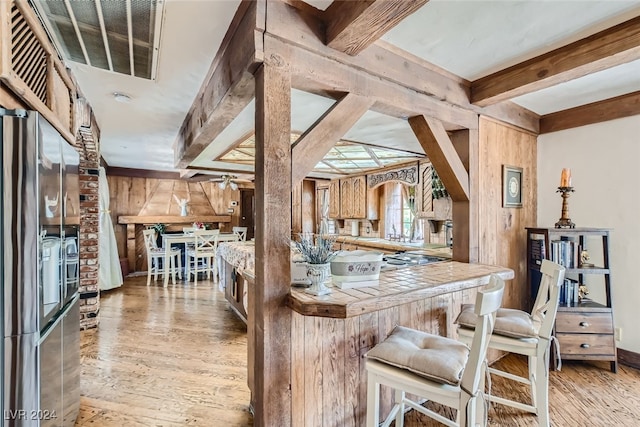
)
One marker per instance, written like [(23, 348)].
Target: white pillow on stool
[(431, 356)]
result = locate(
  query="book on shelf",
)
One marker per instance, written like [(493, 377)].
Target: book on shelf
[(538, 251), (565, 252), (569, 292)]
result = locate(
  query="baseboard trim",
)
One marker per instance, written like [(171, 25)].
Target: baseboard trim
[(629, 358)]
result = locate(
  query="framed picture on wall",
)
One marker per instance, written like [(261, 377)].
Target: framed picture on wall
[(511, 187)]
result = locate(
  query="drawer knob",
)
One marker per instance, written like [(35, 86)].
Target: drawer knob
[(584, 345), (584, 324)]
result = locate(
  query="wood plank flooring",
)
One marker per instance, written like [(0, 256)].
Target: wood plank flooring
[(172, 356), (176, 356)]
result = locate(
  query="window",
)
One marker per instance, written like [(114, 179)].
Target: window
[(399, 215)]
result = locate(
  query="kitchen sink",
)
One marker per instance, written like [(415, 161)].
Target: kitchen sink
[(408, 259)]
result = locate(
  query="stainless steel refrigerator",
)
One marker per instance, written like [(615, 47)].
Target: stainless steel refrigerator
[(39, 211)]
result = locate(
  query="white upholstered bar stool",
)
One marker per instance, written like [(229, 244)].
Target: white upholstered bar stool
[(156, 254), (519, 332), (435, 368)]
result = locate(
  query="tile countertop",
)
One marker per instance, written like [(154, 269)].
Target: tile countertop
[(396, 287), (388, 245)]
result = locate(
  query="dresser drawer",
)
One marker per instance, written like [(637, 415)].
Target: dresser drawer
[(584, 322), (586, 344)]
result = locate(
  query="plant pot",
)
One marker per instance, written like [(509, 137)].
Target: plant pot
[(318, 274)]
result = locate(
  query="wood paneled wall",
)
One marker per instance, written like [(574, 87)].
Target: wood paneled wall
[(303, 207), (129, 194), (502, 234)]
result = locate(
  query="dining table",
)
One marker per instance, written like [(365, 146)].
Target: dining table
[(184, 238)]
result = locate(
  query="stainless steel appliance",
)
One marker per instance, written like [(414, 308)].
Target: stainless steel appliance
[(408, 259), (39, 270)]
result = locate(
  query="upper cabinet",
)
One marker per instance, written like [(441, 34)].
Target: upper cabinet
[(334, 199), (349, 198), (30, 68)]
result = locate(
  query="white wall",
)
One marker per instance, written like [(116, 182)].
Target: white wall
[(605, 163)]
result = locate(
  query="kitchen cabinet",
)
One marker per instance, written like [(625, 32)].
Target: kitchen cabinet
[(349, 198), (235, 290), (334, 199)]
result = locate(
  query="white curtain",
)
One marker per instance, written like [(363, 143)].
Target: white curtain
[(324, 222), (109, 274)]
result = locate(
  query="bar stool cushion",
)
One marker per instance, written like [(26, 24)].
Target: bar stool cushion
[(433, 357), (509, 322)]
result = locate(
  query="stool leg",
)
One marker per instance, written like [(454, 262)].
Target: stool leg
[(173, 270), (180, 265), (155, 269), (373, 401), (167, 271), (195, 272), (542, 388), (400, 403), (149, 268)]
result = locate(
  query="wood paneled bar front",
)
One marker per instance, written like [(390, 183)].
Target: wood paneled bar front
[(330, 334), (135, 224)]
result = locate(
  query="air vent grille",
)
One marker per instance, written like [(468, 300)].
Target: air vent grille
[(119, 36), (28, 57)]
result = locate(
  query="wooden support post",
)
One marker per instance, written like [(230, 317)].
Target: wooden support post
[(131, 246), (272, 372), (466, 237), (316, 142), (436, 144)]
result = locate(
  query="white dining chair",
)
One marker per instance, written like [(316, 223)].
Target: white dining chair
[(241, 232), (202, 258), (156, 257), (529, 334), (432, 367)]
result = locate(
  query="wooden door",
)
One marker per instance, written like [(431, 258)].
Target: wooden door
[(247, 212)]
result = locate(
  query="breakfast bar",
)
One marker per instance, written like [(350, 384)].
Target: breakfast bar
[(331, 333)]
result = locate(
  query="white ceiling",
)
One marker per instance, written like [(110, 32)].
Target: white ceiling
[(468, 38)]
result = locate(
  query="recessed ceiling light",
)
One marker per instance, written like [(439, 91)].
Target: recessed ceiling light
[(121, 97)]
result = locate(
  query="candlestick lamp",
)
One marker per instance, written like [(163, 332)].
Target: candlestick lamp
[(565, 189)]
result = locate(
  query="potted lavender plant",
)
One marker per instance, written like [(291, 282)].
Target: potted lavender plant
[(317, 251)]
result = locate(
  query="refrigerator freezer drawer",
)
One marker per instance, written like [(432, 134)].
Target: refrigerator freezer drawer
[(71, 364), (20, 381), (51, 376)]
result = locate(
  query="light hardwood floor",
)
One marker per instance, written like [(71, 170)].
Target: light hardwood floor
[(176, 356)]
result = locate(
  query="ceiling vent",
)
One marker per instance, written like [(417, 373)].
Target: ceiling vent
[(120, 36)]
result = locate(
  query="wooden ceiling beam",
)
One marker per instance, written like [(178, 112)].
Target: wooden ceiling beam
[(380, 63), (315, 73), (443, 155), (614, 46), (311, 146), (596, 112), (228, 87), (352, 26)]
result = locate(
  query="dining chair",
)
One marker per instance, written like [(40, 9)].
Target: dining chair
[(156, 256), (432, 367), (241, 232), (202, 258), (529, 334)]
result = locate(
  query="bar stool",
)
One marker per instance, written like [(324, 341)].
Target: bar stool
[(432, 367), (155, 254), (519, 332)]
